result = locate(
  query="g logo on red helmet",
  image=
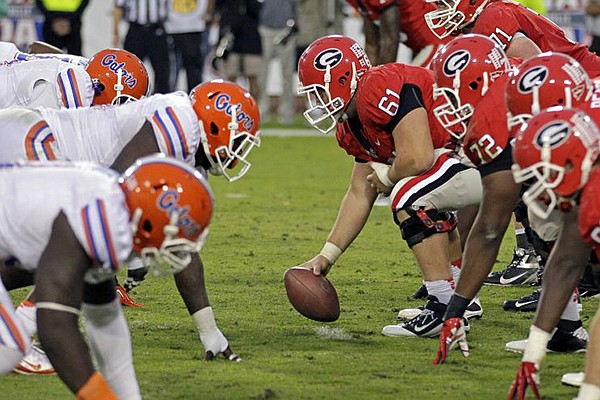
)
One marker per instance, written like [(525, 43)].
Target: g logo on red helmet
[(110, 61), (533, 77), (553, 134), (329, 57), (457, 61)]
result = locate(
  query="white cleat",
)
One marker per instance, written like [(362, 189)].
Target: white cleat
[(35, 363), (573, 379)]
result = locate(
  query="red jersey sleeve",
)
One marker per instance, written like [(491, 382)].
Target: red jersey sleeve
[(487, 134), (498, 23), (589, 211)]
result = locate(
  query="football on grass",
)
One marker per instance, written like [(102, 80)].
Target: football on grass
[(312, 296)]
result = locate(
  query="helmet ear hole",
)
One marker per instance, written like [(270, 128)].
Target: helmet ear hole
[(214, 129), (147, 226)]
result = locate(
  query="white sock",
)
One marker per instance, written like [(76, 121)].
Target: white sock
[(455, 273), (441, 289), (587, 391), (111, 345), (26, 314), (571, 311)]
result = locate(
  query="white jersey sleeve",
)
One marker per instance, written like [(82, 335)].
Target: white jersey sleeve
[(176, 128), (75, 88), (44, 83), (8, 52), (100, 133), (90, 198)]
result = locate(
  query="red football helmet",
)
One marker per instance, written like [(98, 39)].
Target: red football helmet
[(329, 71), (543, 81), (452, 15), (171, 206), (229, 123), (118, 76), (555, 150), (464, 69)]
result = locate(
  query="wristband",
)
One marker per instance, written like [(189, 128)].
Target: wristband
[(331, 252), (382, 173), (205, 320), (536, 345)]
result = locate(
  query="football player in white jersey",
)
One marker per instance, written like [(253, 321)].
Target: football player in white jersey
[(74, 231), (111, 75), (10, 52), (213, 129)]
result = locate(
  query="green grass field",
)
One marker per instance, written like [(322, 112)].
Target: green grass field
[(278, 216)]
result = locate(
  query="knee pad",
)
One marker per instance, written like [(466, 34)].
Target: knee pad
[(424, 223)]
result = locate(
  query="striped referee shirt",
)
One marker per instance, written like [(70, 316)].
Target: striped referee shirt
[(144, 12)]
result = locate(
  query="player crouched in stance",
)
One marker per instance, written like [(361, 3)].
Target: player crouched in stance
[(75, 230), (110, 76), (383, 118), (213, 129), (557, 153)]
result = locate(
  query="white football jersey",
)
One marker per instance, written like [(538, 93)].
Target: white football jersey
[(33, 194), (8, 51), (44, 83), (100, 133)]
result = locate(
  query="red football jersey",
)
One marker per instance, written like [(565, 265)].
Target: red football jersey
[(371, 9), (412, 20), (501, 20), (377, 103), (589, 211), (487, 134)]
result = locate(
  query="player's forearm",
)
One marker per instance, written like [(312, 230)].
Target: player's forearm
[(410, 165), (483, 244), (564, 267), (352, 217)]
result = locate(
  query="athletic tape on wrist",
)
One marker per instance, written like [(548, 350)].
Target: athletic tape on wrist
[(535, 350), (205, 320), (331, 252), (382, 173)]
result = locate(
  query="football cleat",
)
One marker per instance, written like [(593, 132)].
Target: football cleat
[(529, 303), (35, 363), (562, 340), (421, 293), (474, 311), (427, 324), (524, 304), (124, 297), (522, 270), (573, 379)]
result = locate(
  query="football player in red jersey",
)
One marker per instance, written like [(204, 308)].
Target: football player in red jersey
[(556, 152), (520, 31), (384, 20), (383, 118), (471, 73), (544, 81)]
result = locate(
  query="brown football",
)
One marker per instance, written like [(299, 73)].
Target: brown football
[(312, 296)]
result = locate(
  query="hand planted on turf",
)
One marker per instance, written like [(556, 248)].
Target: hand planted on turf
[(453, 333), (319, 265), (527, 376), (216, 343)]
